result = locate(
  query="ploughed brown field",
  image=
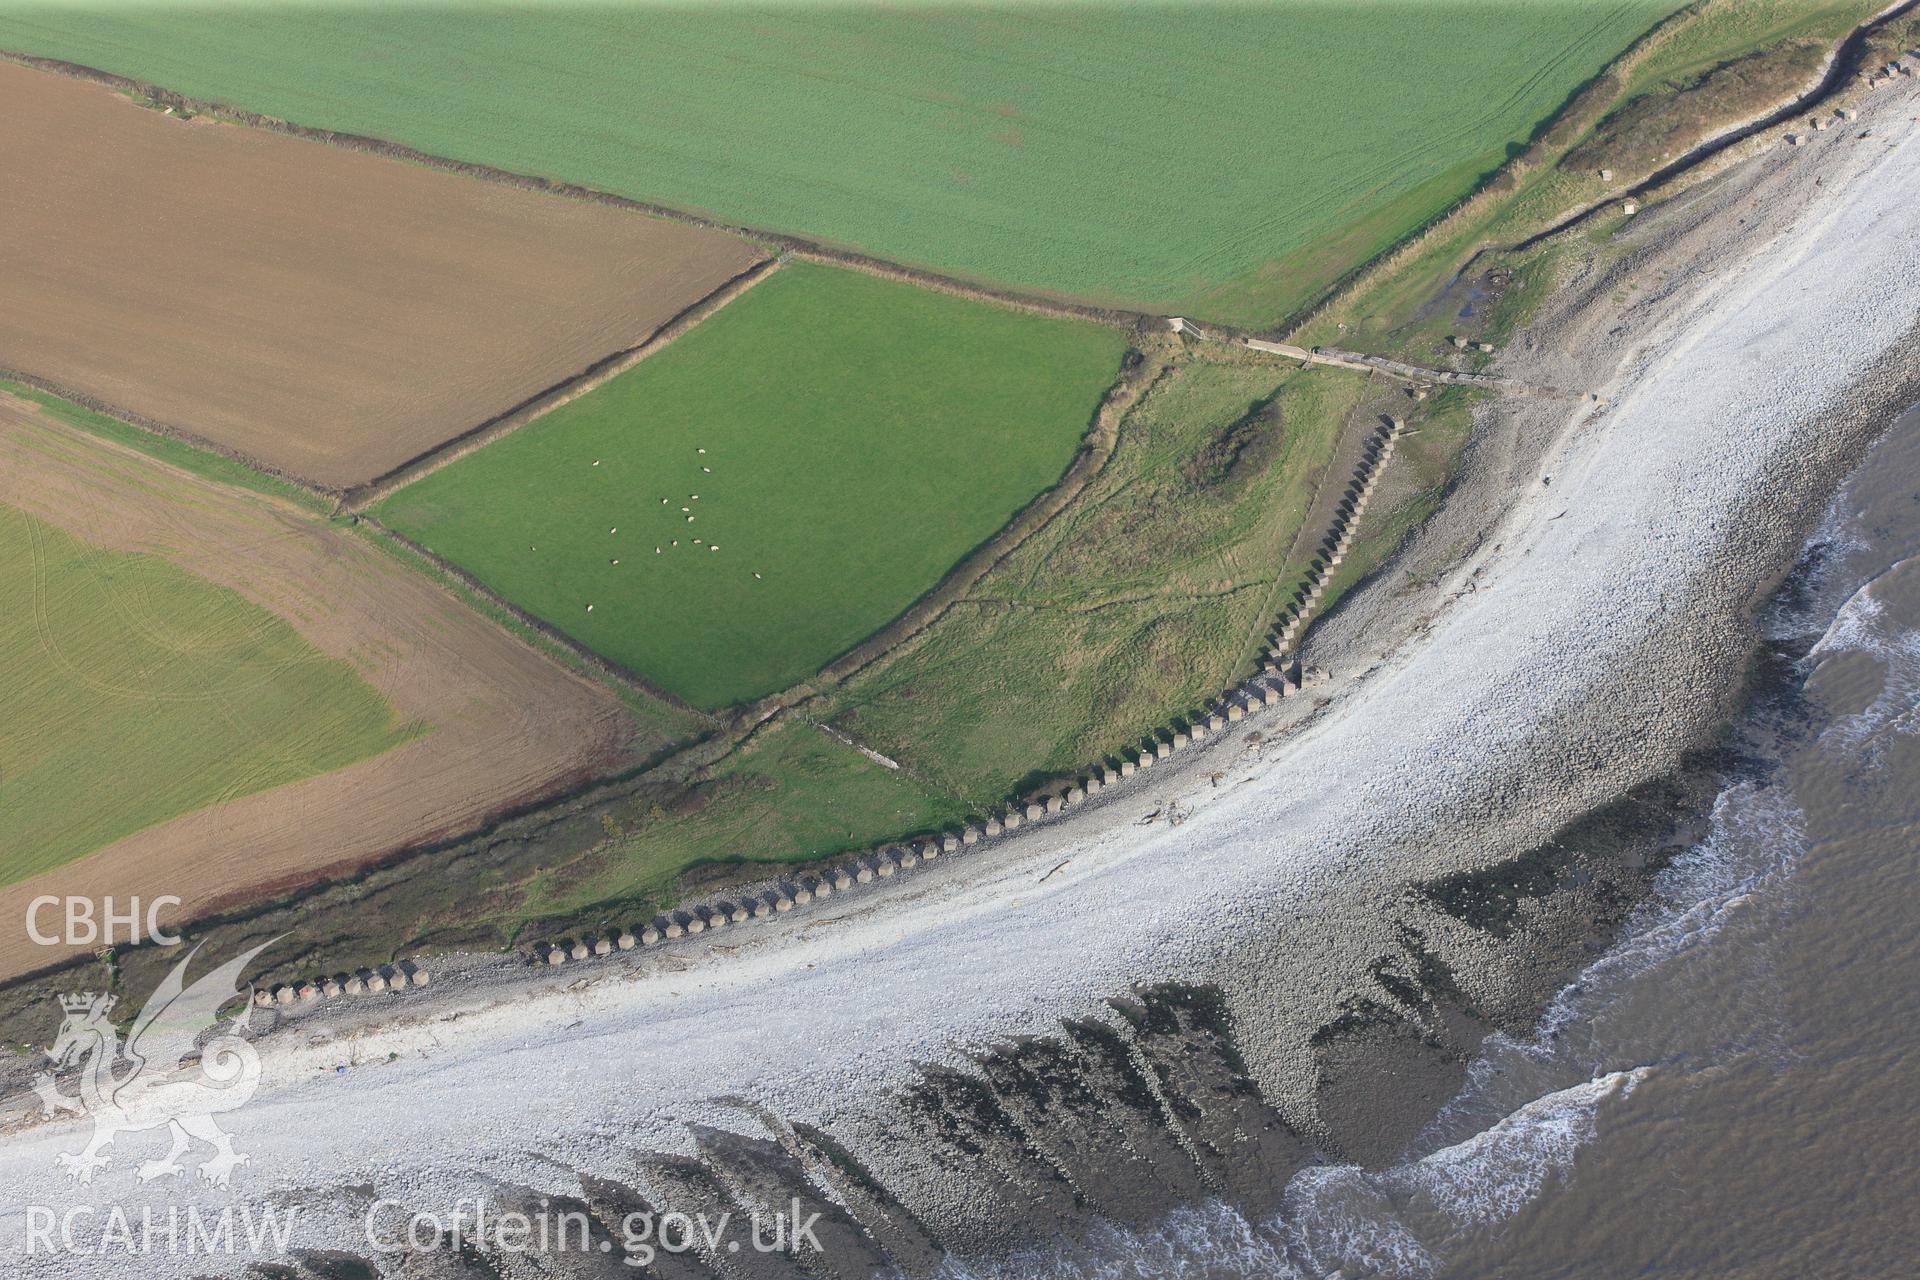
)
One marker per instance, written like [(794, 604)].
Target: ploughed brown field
[(504, 723), (326, 312)]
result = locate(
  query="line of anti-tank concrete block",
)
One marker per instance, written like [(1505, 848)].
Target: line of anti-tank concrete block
[(1277, 680), (375, 981)]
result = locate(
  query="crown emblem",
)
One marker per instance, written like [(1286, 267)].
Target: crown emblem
[(84, 1001)]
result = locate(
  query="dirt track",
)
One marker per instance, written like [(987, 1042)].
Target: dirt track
[(507, 723), (325, 312)]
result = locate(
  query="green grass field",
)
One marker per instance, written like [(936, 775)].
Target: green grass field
[(1224, 160), (132, 691), (860, 436)]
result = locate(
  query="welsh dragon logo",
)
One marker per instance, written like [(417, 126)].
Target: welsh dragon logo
[(156, 1089)]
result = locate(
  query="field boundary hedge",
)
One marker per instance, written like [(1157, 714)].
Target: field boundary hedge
[(542, 402)]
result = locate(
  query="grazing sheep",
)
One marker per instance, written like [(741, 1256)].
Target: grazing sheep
[(702, 451), (656, 551), (714, 547), (596, 462), (589, 608), (756, 575), (616, 562), (708, 470), (613, 531), (689, 519)]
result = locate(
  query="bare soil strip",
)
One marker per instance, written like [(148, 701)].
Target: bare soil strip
[(508, 726), (326, 313)]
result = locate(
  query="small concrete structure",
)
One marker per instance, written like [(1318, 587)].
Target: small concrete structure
[(626, 940), (353, 986), (782, 900), (864, 874), (969, 834), (1848, 113), (262, 998), (1094, 784), (284, 994), (842, 879), (993, 828), (822, 888), (1075, 795), (1055, 804), (949, 844), (1269, 695), (883, 866), (692, 922), (929, 850), (377, 981), (649, 936), (1012, 819), (421, 977), (1126, 768), (1161, 750), (802, 895), (738, 913), (1109, 775), (673, 930), (1197, 730), (331, 989), (908, 859), (1235, 712), (1214, 723), (1606, 175), (308, 991), (1035, 813), (603, 946), (1485, 348), (1629, 208), (558, 955)]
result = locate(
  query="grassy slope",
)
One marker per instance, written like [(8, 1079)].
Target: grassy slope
[(1227, 160), (1389, 310), (792, 794), (863, 436), (128, 670), (1142, 600)]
